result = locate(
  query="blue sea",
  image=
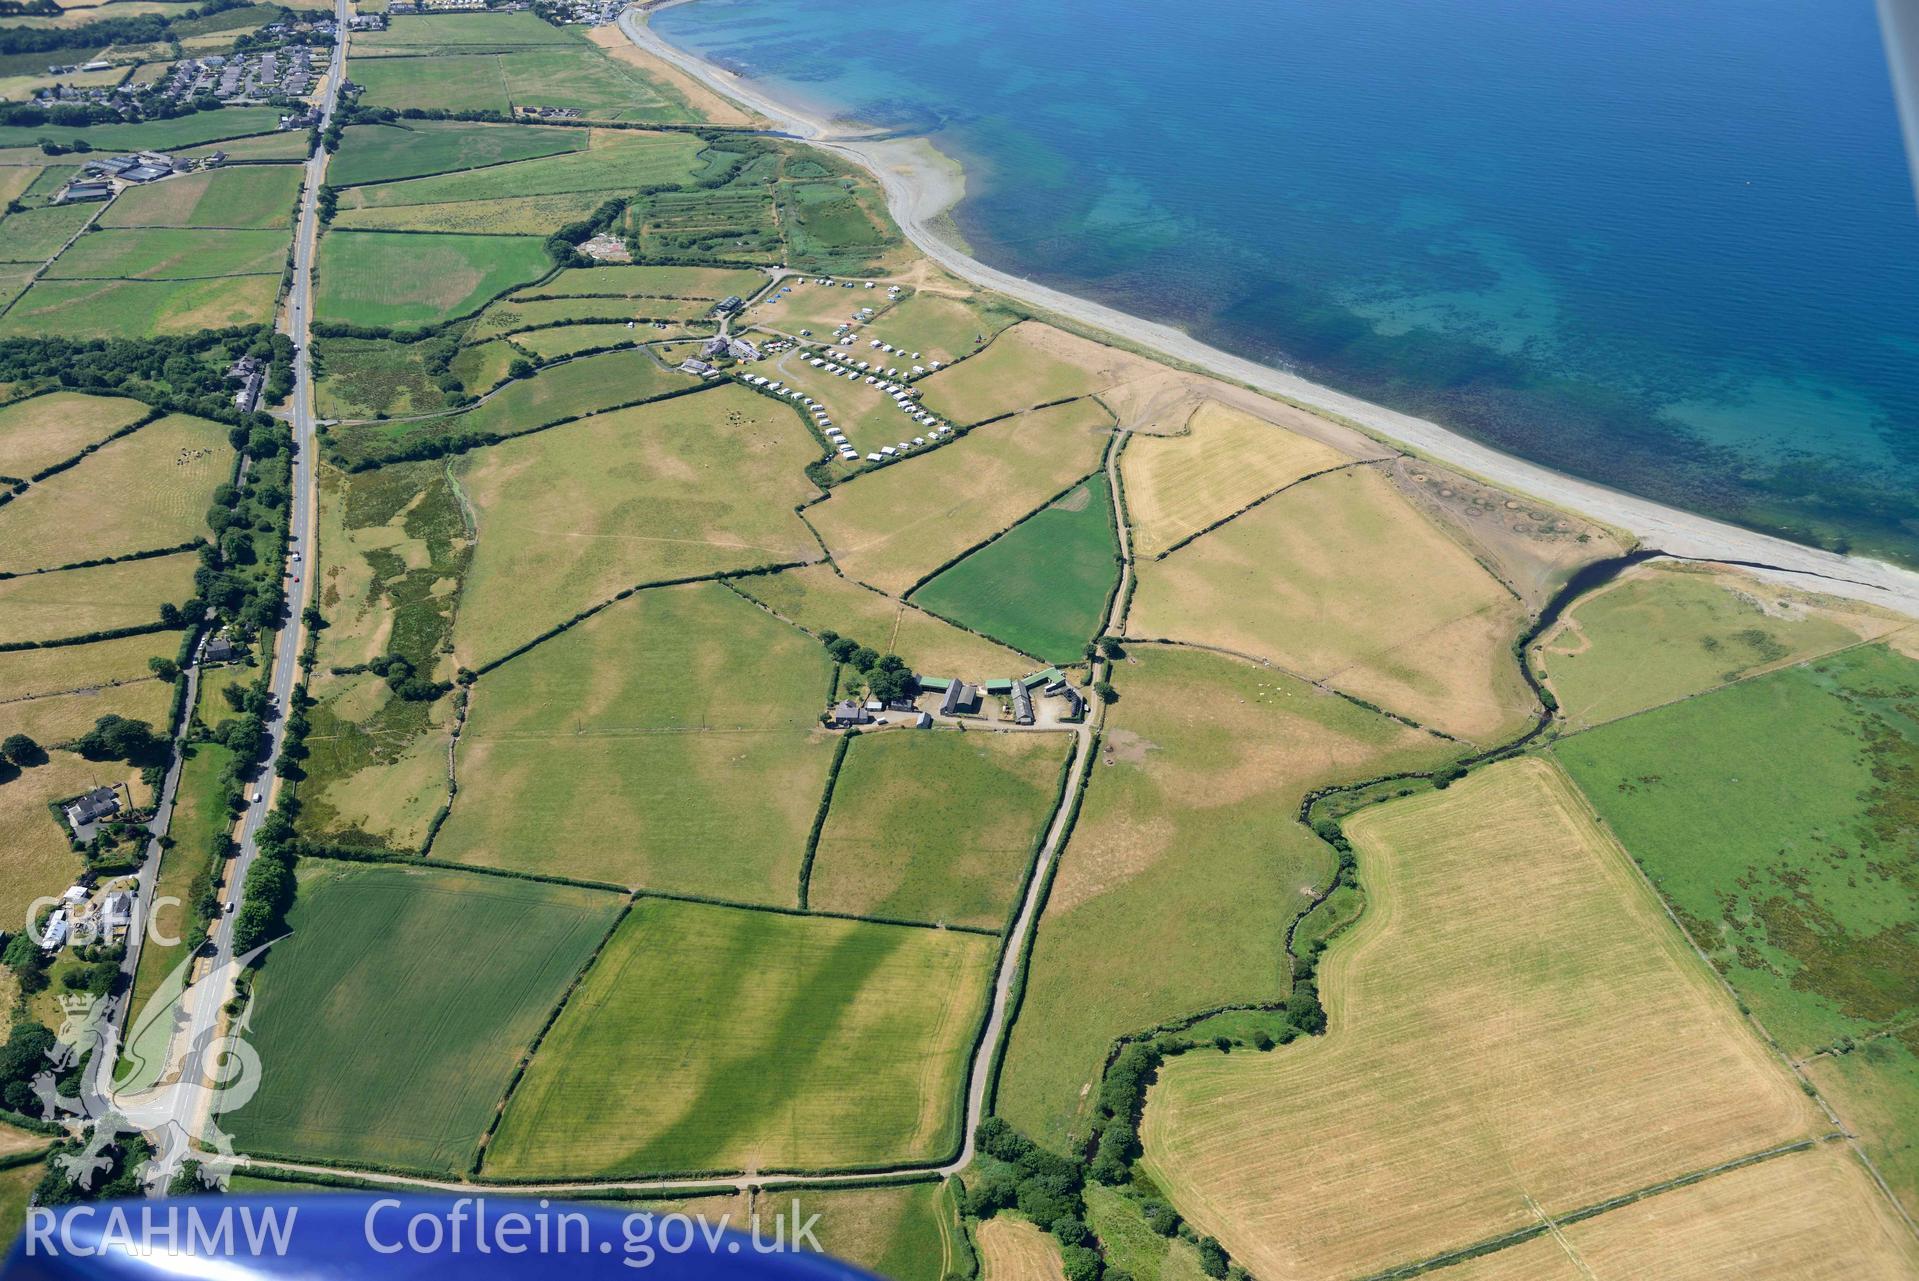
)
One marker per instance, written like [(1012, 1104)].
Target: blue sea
[(1670, 247)]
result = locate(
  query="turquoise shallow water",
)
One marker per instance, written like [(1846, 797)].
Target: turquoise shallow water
[(1673, 248)]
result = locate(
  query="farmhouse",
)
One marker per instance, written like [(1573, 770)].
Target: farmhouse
[(219, 650), (847, 713), (82, 814)]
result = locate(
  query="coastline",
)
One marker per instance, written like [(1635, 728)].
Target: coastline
[(922, 185)]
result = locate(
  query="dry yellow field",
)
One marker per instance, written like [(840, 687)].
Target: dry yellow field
[(819, 599), (142, 491), (35, 858), (1014, 1250), (79, 602), (47, 429), (1027, 365), (894, 526), (60, 718), (1807, 1216), (686, 486), (1516, 1028), (1178, 485), (1340, 580), (31, 673)]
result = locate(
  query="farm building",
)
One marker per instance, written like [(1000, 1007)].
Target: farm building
[(960, 699), (1022, 705), (847, 713)]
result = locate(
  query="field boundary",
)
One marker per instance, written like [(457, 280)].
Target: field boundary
[(1230, 517)]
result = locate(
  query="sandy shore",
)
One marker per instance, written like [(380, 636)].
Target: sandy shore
[(921, 184)]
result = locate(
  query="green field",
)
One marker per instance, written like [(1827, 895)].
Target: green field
[(35, 235), (407, 33), (698, 484), (243, 196), (140, 308), (589, 82), (172, 254), (907, 1232), (1793, 869), (565, 340), (836, 227), (398, 280), (456, 83), (936, 827), (390, 1019), (705, 283), (410, 149), (669, 742), (1042, 587), (1186, 866), (720, 1038), (180, 131), (570, 390), (613, 163)]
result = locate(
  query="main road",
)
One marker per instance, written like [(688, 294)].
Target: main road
[(201, 1003)]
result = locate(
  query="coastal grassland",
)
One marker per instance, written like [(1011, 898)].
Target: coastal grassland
[(35, 858), (1341, 580), (243, 196), (703, 104), (60, 718), (1186, 865), (614, 161), (171, 253), (398, 280), (694, 485), (705, 283), (35, 235), (511, 315), (484, 960), (179, 131), (34, 673), (411, 33), (1042, 587), (396, 551), (432, 83), (1794, 869), (1027, 365), (1179, 485), (79, 602), (1807, 1216), (1874, 1086), (905, 1232), (1791, 866), (818, 599), (1662, 632), (515, 216), (144, 491), (48, 429), (670, 742), (937, 827), (807, 305), (566, 340), (941, 326), (1011, 1249), (570, 390), (189, 868), (372, 377), (836, 227), (1516, 1031), (894, 526), (414, 148), (721, 1038), (738, 222), (140, 308), (587, 81)]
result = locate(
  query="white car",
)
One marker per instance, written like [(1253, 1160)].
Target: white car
[(258, 797)]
